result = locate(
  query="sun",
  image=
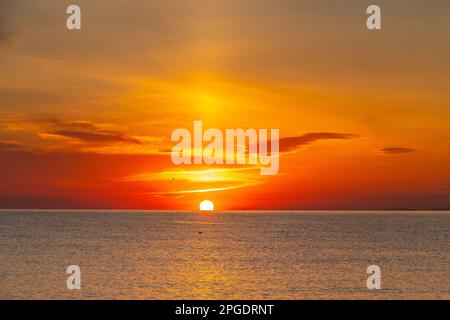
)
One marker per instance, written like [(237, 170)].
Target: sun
[(206, 205)]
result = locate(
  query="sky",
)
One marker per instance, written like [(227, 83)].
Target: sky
[(86, 116)]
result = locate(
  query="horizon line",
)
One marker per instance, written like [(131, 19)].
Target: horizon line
[(437, 210)]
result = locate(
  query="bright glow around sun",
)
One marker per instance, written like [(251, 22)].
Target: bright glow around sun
[(206, 205)]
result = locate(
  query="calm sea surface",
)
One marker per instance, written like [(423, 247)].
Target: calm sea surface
[(234, 255)]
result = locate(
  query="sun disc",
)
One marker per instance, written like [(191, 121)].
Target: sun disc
[(206, 205)]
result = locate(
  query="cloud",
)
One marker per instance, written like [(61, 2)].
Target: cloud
[(54, 124), (87, 132), (397, 150), (97, 137), (203, 175), (83, 131), (292, 143), (55, 135), (199, 181), (206, 190), (12, 146)]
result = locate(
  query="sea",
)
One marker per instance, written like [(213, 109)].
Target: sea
[(289, 255)]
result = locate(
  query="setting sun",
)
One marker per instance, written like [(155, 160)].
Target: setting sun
[(206, 205)]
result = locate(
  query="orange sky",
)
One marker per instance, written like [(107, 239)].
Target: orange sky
[(86, 116)]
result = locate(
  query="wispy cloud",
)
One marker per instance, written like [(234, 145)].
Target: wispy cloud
[(206, 190), (97, 137), (206, 175), (200, 181)]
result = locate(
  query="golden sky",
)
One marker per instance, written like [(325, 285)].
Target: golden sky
[(86, 116)]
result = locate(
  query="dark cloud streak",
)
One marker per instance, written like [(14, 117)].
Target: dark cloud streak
[(82, 130), (397, 150), (292, 143)]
